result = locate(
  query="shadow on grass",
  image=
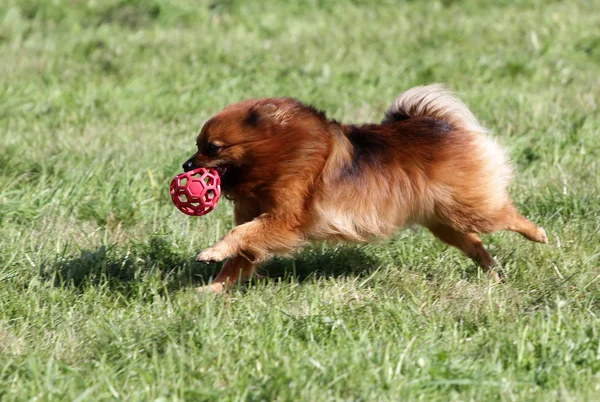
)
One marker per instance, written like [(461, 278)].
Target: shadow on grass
[(125, 270), (332, 263)]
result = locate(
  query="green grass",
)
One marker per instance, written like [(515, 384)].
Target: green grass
[(100, 102)]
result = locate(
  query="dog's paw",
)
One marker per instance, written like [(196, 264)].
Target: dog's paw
[(541, 235), (215, 287), (215, 253)]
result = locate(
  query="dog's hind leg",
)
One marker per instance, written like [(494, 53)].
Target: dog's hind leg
[(468, 243), (514, 221)]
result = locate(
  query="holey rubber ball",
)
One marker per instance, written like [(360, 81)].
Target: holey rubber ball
[(196, 192)]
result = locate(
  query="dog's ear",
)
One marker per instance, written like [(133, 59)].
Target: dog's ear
[(268, 111)]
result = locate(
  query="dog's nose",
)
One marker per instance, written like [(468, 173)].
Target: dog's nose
[(188, 165)]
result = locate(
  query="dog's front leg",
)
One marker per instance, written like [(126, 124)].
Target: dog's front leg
[(255, 240), (236, 269)]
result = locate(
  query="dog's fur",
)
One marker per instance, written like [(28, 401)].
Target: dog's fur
[(296, 176)]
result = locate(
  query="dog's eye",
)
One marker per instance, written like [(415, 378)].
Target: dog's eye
[(212, 149)]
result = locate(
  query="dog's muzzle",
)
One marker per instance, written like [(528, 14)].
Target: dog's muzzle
[(190, 164)]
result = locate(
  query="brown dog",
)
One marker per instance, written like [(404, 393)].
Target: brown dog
[(297, 176)]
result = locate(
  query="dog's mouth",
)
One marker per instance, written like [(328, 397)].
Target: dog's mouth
[(190, 165), (231, 176), (222, 169), (228, 172)]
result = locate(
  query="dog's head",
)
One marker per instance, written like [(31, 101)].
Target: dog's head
[(246, 141)]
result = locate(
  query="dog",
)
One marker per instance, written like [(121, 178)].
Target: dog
[(296, 176)]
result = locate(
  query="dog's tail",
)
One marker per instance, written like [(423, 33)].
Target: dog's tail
[(438, 102), (432, 101)]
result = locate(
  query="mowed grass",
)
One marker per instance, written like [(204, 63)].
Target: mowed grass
[(100, 102)]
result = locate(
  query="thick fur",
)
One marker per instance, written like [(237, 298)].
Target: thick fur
[(297, 176)]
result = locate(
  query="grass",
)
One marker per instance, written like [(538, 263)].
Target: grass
[(99, 105)]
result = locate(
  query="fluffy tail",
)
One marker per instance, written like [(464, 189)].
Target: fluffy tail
[(437, 102), (433, 101)]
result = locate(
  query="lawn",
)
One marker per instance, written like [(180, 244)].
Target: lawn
[(100, 102)]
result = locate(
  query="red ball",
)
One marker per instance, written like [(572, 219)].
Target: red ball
[(196, 192)]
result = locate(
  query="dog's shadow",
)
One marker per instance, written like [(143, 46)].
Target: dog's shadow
[(314, 264), (122, 271)]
